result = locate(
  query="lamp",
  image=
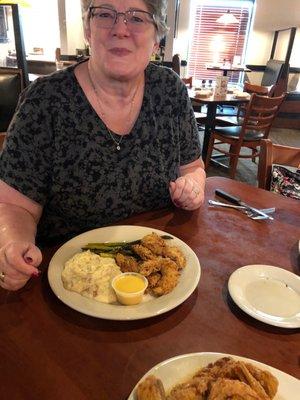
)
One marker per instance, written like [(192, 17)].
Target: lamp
[(227, 18)]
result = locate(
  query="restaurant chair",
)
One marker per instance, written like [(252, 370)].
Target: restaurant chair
[(258, 119), (11, 85), (2, 138), (238, 118), (188, 81), (176, 64), (275, 154)]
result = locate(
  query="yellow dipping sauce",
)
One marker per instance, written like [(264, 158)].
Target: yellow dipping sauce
[(130, 284), (129, 288)]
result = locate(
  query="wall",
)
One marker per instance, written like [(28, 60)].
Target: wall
[(71, 27)]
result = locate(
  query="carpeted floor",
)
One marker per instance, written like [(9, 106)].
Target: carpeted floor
[(247, 170)]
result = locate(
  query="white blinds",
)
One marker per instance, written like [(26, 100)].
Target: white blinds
[(213, 42)]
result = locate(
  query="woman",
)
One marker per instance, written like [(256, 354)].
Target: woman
[(98, 141)]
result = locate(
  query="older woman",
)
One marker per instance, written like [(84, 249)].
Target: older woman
[(98, 141)]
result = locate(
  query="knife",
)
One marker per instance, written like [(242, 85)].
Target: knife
[(239, 202)]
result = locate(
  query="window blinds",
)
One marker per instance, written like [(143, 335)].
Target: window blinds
[(213, 42)]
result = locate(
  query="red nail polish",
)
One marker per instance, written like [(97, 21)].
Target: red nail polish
[(35, 274)]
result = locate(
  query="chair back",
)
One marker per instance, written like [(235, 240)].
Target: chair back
[(176, 64), (260, 114), (188, 81), (2, 138), (276, 75), (275, 154), (261, 90), (11, 85)]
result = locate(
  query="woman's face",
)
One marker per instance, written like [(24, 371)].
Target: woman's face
[(118, 52)]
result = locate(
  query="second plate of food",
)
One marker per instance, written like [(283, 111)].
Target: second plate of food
[(181, 369), (150, 306)]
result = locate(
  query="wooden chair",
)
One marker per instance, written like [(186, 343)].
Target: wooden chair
[(275, 154), (2, 138), (11, 85), (176, 63), (258, 119), (238, 119), (188, 81)]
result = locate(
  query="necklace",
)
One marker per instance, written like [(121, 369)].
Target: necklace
[(117, 142)]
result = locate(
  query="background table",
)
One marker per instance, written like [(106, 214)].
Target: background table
[(212, 102), (49, 351), (228, 69)]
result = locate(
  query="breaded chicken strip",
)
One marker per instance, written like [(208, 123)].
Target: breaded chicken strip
[(265, 378), (169, 279), (223, 389), (127, 263), (151, 389), (176, 255), (143, 252), (195, 388), (153, 279), (150, 266), (154, 243)]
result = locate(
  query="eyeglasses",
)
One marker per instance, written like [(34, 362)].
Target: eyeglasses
[(135, 20)]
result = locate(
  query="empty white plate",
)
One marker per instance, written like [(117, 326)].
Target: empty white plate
[(269, 294)]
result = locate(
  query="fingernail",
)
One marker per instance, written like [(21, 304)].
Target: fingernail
[(28, 260), (35, 274)]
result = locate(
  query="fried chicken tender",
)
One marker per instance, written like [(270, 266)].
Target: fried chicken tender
[(143, 252), (127, 263), (169, 279), (184, 393), (223, 389), (265, 378), (151, 389), (194, 389), (176, 255), (154, 243), (153, 279), (252, 382)]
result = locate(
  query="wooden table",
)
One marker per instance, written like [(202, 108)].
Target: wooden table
[(212, 102), (49, 351), (227, 69)]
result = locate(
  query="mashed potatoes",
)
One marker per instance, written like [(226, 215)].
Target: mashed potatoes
[(90, 275)]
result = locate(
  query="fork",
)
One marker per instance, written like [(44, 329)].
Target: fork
[(244, 209)]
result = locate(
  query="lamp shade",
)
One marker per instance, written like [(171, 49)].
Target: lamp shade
[(228, 18)]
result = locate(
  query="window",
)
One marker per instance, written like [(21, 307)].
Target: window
[(213, 42)]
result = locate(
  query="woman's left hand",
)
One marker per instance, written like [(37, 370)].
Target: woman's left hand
[(187, 191)]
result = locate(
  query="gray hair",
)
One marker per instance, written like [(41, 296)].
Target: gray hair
[(156, 7)]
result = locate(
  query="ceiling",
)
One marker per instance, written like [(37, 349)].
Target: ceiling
[(272, 15)]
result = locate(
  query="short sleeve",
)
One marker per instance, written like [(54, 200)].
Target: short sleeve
[(25, 162)]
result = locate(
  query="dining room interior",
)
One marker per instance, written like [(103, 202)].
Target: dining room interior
[(224, 322), (198, 40)]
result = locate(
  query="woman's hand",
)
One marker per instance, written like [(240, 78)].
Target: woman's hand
[(187, 191), (18, 263)]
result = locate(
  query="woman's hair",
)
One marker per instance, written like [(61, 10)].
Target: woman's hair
[(156, 7)]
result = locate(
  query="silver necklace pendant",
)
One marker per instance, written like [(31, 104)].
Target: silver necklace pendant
[(118, 147)]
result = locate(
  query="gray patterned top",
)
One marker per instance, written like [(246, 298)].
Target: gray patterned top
[(59, 153)]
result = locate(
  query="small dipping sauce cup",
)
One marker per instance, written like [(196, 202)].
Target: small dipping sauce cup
[(129, 287)]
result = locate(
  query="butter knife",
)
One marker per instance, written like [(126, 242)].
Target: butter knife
[(236, 200)]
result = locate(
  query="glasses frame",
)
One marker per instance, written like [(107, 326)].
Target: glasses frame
[(125, 15)]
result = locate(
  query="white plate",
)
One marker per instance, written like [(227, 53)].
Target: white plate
[(241, 95), (269, 294), (187, 283), (178, 369)]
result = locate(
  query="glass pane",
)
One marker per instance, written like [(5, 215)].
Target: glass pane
[(7, 38)]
